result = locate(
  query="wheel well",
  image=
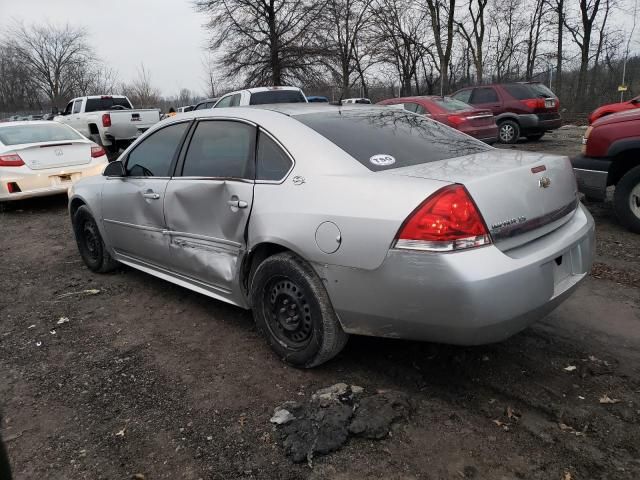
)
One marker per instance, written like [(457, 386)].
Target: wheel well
[(622, 163), (503, 119), (76, 203), (93, 129), (255, 257)]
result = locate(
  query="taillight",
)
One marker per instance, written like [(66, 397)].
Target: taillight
[(534, 103), (11, 160), (456, 120), (106, 120), (446, 221), (97, 151)]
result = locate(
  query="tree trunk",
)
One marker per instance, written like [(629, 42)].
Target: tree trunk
[(560, 10)]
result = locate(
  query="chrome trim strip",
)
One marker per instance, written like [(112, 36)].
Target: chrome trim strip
[(218, 179), (206, 238), (489, 115), (133, 225), (533, 223)]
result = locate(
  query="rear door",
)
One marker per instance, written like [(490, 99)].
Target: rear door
[(486, 98), (208, 203), (133, 205)]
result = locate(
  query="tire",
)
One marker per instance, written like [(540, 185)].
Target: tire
[(626, 200), (90, 243), (536, 137), (293, 312), (508, 131)]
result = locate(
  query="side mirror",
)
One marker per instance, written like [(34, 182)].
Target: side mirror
[(115, 169)]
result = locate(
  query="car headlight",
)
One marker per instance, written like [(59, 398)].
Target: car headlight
[(585, 139)]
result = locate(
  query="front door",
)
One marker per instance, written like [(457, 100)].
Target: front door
[(132, 206), (207, 206)]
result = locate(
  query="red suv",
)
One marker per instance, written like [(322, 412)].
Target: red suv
[(521, 109)]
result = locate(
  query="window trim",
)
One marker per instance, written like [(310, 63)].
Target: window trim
[(174, 160), (179, 167), (284, 149)]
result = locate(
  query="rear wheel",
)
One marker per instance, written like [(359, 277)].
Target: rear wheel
[(293, 312), (508, 131), (536, 137), (626, 200), (90, 243)]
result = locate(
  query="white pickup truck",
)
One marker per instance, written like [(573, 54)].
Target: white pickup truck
[(108, 120)]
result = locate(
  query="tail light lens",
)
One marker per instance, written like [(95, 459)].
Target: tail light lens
[(97, 151), (456, 120), (106, 120), (534, 103), (446, 221), (11, 160)]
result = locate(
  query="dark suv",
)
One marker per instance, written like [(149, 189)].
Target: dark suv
[(520, 109)]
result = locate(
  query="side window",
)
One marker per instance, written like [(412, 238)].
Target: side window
[(69, 108), (153, 156), (77, 106), (272, 162), (483, 95), (463, 96), (421, 110), (225, 102), (410, 107), (235, 100), (221, 149)]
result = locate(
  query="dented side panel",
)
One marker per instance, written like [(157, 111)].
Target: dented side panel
[(206, 233)]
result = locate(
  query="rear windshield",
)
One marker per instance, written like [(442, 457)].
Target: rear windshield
[(277, 96), (384, 138), (523, 91), (36, 133), (451, 104), (98, 104)]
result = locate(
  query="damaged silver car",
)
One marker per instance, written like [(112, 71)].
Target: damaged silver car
[(335, 220)]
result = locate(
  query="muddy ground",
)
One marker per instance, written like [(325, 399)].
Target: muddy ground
[(149, 380)]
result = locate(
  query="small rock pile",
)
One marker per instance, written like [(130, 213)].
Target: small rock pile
[(333, 414)]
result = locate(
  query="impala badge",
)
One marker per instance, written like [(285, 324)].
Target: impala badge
[(544, 182)]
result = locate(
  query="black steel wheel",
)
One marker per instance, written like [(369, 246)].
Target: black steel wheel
[(90, 243), (293, 311)]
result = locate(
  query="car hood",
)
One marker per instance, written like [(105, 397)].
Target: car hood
[(623, 116)]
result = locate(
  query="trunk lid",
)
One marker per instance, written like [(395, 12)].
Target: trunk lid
[(521, 195), (39, 156), (129, 124)]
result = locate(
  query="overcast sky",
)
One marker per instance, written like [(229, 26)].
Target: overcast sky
[(167, 35)]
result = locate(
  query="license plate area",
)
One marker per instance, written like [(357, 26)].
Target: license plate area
[(549, 103), (62, 179), (561, 268)]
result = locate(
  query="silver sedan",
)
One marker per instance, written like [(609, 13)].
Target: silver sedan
[(328, 221), (44, 158)]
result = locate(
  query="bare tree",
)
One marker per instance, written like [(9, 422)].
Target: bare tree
[(401, 34), (141, 91), (442, 13), (265, 41), (346, 24), (52, 56), (581, 32), (210, 78), (537, 27), (474, 34)]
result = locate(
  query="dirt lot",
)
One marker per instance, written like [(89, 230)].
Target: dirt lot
[(149, 379)]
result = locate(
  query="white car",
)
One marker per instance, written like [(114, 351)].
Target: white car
[(261, 96), (40, 158), (347, 101)]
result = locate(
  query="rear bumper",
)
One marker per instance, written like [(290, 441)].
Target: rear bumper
[(592, 175), (467, 298), (533, 123), (39, 183)]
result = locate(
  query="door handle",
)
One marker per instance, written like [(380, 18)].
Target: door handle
[(151, 195), (237, 203)]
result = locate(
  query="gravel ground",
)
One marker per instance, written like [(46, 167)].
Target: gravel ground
[(125, 376)]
